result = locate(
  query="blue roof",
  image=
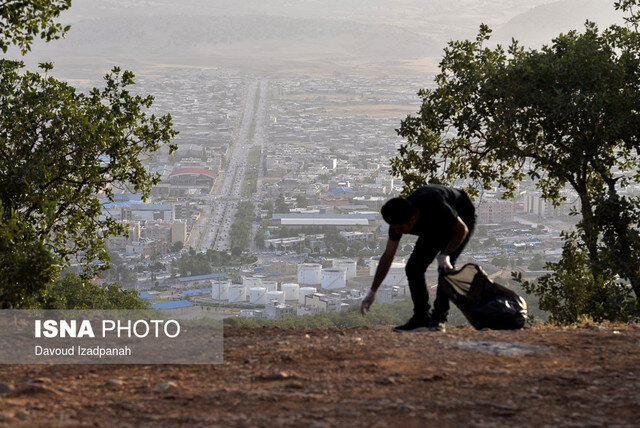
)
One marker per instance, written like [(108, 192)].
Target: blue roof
[(258, 268), (269, 273), (109, 204), (145, 295), (127, 197), (200, 277), (172, 305), (200, 290), (342, 190)]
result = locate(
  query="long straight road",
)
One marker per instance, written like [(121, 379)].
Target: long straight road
[(215, 224)]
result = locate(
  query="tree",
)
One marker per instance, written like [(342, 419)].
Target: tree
[(355, 247), (302, 202), (58, 150), (177, 246), (72, 292), (565, 115), (537, 263), (280, 206), (22, 20)]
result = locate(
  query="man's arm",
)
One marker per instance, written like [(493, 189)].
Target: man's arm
[(381, 272), (460, 232)]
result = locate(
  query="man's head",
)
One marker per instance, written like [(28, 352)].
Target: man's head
[(400, 213)]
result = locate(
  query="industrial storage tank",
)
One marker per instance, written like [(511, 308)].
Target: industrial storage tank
[(309, 273), (291, 291), (348, 265), (270, 285), (396, 275), (333, 278), (251, 281), (275, 295), (220, 289), (373, 263), (304, 292), (237, 293), (258, 295)]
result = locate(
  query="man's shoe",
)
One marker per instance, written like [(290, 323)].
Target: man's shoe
[(414, 324), (437, 326)]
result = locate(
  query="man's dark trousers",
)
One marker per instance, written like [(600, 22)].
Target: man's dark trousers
[(421, 257)]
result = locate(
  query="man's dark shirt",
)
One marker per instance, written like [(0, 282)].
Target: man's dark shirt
[(439, 207)]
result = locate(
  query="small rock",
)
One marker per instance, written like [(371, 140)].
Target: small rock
[(276, 376), (43, 380), (115, 382), (294, 385), (33, 389), (21, 414), (433, 378), (5, 416), (5, 387), (164, 387), (386, 381)]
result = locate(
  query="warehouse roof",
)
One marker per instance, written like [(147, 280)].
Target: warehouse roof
[(324, 222), (295, 219), (201, 277), (342, 190), (200, 290), (172, 305), (191, 171), (145, 295)]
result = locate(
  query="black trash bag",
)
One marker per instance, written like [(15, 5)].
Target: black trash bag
[(483, 302)]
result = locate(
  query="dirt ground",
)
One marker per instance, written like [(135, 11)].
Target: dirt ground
[(586, 376)]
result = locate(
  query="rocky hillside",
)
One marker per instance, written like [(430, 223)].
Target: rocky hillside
[(352, 377)]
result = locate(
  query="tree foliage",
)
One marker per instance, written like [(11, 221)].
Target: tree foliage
[(564, 116), (72, 292), (23, 20), (572, 290), (59, 149)]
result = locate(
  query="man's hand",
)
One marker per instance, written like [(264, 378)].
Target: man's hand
[(367, 302), (444, 264)]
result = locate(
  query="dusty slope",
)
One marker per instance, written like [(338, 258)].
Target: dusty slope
[(363, 377)]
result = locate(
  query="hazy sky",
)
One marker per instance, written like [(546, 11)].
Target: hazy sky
[(276, 36)]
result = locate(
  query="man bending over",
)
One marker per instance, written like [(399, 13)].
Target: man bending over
[(443, 218)]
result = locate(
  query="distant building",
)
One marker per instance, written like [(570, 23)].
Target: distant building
[(534, 204), (199, 280), (183, 179), (392, 294), (323, 219), (319, 302), (179, 231), (278, 310), (120, 242), (491, 211), (157, 231)]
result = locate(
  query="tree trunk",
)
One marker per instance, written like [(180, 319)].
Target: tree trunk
[(589, 228)]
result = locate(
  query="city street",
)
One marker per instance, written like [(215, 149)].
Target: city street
[(212, 230)]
